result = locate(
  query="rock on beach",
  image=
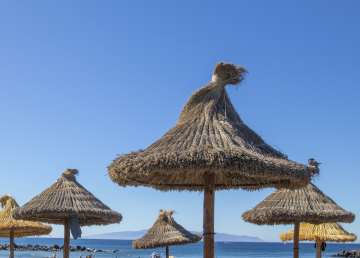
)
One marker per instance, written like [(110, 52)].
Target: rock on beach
[(350, 253)]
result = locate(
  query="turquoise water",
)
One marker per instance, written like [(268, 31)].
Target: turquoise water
[(222, 249)]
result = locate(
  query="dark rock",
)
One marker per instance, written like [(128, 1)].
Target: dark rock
[(350, 253), (52, 248)]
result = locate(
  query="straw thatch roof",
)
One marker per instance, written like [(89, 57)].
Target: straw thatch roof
[(67, 197), (165, 232), (307, 204), (21, 228), (209, 136), (326, 232)]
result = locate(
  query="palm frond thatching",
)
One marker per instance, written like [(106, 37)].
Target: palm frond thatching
[(21, 228), (165, 232), (325, 232), (308, 204), (209, 136), (64, 198)]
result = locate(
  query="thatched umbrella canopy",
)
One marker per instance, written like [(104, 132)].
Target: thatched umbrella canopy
[(66, 198), (320, 233), (10, 227), (164, 233), (210, 148), (308, 204), (325, 232)]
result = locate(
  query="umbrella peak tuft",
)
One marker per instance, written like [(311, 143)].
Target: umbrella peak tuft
[(164, 211), (70, 172), (226, 73), (314, 165), (4, 199)]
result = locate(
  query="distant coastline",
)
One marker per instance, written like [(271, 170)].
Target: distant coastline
[(132, 235)]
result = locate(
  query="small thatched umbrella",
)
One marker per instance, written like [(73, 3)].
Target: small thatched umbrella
[(320, 233), (67, 200), (308, 204), (165, 232), (210, 148), (10, 227)]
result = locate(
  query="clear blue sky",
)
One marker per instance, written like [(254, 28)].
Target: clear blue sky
[(82, 81)]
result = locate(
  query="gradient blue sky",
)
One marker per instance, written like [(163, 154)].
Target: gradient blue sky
[(82, 81)]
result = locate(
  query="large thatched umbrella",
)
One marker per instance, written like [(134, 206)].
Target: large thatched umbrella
[(164, 233), (320, 233), (67, 200), (10, 227), (209, 148), (308, 204)]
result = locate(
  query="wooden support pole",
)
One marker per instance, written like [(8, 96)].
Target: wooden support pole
[(11, 244), (296, 239), (66, 250), (167, 251), (318, 249), (208, 220)]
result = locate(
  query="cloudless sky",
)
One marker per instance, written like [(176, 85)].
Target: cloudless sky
[(83, 81)]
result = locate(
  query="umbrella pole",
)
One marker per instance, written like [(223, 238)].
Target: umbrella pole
[(11, 244), (318, 248), (208, 220), (167, 251), (66, 237), (296, 239)]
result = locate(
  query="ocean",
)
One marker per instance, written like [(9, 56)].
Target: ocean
[(222, 249)]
